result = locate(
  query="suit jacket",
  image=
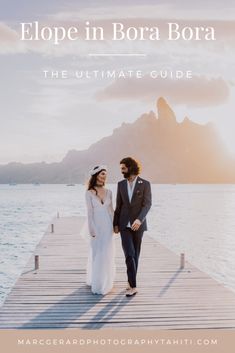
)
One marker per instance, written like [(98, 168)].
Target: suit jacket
[(138, 207)]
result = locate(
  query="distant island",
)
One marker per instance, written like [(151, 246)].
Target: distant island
[(170, 152)]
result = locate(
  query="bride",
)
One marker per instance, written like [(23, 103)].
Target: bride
[(101, 265)]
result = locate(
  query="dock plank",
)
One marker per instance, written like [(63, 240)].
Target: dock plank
[(56, 296)]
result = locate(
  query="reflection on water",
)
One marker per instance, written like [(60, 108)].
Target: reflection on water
[(195, 219)]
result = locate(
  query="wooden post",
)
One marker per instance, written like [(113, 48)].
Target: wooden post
[(36, 262), (52, 228), (182, 260)]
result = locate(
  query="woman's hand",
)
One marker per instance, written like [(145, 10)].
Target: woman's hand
[(116, 229)]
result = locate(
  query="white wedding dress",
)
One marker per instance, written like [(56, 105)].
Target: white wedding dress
[(101, 262)]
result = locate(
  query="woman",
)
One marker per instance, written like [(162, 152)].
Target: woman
[(101, 266)]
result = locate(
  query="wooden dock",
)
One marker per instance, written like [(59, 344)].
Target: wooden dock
[(55, 296)]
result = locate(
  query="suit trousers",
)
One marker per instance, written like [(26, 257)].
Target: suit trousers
[(131, 244)]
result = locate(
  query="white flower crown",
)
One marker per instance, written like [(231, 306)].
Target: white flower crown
[(97, 169)]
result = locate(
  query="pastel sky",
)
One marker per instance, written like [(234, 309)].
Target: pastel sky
[(41, 119)]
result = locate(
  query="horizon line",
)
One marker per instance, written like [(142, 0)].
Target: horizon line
[(117, 54)]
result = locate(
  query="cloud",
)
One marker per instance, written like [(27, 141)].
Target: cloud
[(9, 41), (198, 91), (184, 10)]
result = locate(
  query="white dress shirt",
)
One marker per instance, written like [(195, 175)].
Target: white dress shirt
[(130, 189)]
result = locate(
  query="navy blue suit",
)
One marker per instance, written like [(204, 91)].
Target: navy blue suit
[(126, 212)]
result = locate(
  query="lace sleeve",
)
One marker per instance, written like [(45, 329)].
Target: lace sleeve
[(111, 210), (90, 215)]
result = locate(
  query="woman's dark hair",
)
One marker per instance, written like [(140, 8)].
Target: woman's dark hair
[(93, 181), (132, 165)]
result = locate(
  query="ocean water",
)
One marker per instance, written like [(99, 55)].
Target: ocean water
[(198, 220)]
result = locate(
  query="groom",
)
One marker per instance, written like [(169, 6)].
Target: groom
[(132, 205)]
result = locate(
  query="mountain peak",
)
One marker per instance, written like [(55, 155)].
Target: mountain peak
[(186, 120), (170, 152), (165, 113)]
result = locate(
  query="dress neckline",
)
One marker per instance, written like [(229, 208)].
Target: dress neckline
[(101, 201)]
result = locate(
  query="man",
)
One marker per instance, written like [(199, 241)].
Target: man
[(132, 205)]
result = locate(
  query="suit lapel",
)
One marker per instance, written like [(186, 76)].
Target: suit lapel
[(136, 185), (126, 191)]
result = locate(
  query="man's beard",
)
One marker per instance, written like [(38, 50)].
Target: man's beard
[(126, 174)]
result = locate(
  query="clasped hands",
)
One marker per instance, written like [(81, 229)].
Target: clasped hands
[(135, 226)]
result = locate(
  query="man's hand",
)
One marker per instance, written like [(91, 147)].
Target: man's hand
[(116, 229), (136, 224)]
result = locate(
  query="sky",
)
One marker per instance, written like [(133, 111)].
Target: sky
[(41, 119)]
